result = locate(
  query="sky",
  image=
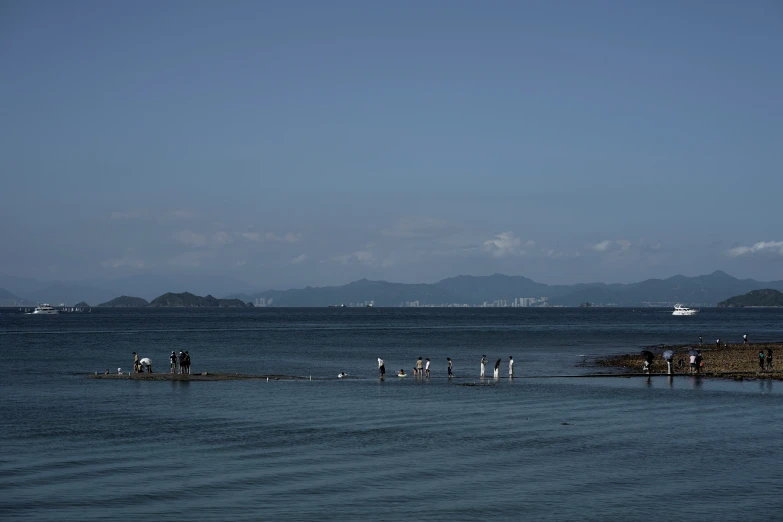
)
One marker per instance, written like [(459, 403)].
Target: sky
[(296, 143)]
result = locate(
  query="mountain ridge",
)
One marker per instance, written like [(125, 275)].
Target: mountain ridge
[(702, 290)]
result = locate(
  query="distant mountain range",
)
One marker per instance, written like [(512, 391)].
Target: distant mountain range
[(96, 291), (705, 290)]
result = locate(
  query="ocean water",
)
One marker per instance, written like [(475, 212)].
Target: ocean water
[(549, 445)]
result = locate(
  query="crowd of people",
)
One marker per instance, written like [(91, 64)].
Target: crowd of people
[(696, 361), (178, 363), (422, 367)]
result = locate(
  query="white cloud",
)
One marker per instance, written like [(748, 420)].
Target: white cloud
[(188, 237), (222, 238), (762, 246), (624, 244), (251, 236), (360, 256), (601, 246), (506, 244), (363, 256), (298, 259)]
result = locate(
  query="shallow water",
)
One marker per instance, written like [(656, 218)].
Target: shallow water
[(357, 448)]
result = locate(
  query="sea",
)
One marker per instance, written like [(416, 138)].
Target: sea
[(552, 443)]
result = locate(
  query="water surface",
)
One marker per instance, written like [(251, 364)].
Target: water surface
[(536, 448)]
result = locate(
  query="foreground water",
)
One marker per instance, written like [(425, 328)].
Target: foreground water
[(535, 448)]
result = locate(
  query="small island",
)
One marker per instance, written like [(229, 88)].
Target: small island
[(188, 300), (81, 304), (125, 302), (728, 361), (756, 298)]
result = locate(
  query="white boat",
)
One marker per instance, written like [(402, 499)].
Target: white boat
[(681, 310), (45, 309)]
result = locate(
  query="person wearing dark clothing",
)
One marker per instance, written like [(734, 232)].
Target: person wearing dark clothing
[(136, 365), (497, 369), (769, 358), (648, 359), (173, 361), (700, 339), (181, 361), (745, 339), (699, 363), (448, 359), (761, 360), (187, 362)]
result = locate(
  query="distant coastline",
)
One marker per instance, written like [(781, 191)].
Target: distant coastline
[(493, 291)]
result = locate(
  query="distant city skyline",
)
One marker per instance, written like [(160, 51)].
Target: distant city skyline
[(279, 145)]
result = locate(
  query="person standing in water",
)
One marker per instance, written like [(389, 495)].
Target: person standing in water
[(420, 367), (483, 364), (381, 368), (427, 368), (510, 366), (448, 359), (497, 369)]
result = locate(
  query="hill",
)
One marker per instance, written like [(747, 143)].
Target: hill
[(9, 299), (704, 290), (764, 297), (81, 304), (125, 302), (188, 300)]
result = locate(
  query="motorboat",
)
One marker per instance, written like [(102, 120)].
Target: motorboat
[(45, 309), (682, 310)]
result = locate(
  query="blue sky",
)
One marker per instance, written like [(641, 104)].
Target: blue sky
[(293, 143)]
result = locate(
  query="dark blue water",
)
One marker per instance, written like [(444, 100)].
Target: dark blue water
[(535, 448)]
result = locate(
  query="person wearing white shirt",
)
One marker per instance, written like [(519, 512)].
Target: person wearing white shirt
[(483, 363), (381, 367), (427, 368), (510, 366)]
